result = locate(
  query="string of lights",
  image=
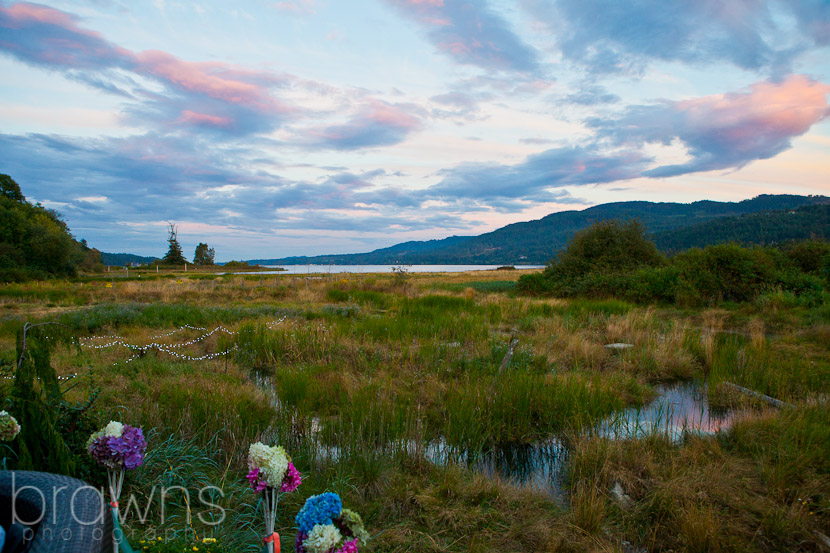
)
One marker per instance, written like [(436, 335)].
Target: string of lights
[(141, 350)]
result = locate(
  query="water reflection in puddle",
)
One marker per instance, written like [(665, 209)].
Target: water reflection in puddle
[(539, 466), (678, 410)]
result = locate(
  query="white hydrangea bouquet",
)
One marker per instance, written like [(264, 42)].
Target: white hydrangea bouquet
[(9, 429), (271, 472)]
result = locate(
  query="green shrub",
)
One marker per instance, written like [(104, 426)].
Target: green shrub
[(808, 255), (725, 272), (535, 284), (337, 295), (598, 262)]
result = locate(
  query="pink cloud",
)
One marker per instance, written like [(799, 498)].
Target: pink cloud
[(471, 33), (725, 131), (46, 36), (195, 118), (213, 79), (377, 124), (221, 95), (455, 47), (391, 115), (25, 12), (787, 108)]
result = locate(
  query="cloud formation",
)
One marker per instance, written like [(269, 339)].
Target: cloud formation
[(256, 152), (205, 95), (610, 36), (722, 131), (378, 123), (51, 38), (470, 32), (178, 178), (533, 179), (725, 130)]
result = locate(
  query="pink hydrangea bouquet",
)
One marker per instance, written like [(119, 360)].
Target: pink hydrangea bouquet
[(271, 472), (326, 527)]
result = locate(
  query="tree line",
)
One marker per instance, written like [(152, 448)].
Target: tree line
[(36, 243)]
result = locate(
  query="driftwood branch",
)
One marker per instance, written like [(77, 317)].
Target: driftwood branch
[(505, 362), (822, 539), (767, 399), (509, 355), (26, 328)]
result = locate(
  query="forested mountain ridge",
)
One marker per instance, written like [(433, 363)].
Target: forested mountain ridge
[(403, 250), (763, 229), (536, 242), (122, 259)]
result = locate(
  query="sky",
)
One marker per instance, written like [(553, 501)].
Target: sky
[(302, 127)]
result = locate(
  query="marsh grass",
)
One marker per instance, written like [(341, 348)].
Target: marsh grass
[(160, 316), (759, 368), (482, 286), (389, 393)]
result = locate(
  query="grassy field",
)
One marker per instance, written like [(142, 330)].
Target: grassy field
[(359, 376)]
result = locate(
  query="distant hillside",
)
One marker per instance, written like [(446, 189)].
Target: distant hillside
[(397, 254), (538, 241), (764, 229), (122, 259)]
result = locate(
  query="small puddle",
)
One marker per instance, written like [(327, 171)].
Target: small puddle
[(680, 409)]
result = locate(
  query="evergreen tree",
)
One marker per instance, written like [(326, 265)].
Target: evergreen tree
[(174, 252), (203, 255), (35, 400)]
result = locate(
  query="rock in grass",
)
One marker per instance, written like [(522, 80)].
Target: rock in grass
[(620, 495), (619, 346)]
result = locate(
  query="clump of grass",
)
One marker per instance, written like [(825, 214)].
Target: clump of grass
[(586, 309), (184, 493), (709, 494), (588, 508)]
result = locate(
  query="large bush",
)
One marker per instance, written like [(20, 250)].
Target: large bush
[(808, 256), (596, 260), (607, 246)]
